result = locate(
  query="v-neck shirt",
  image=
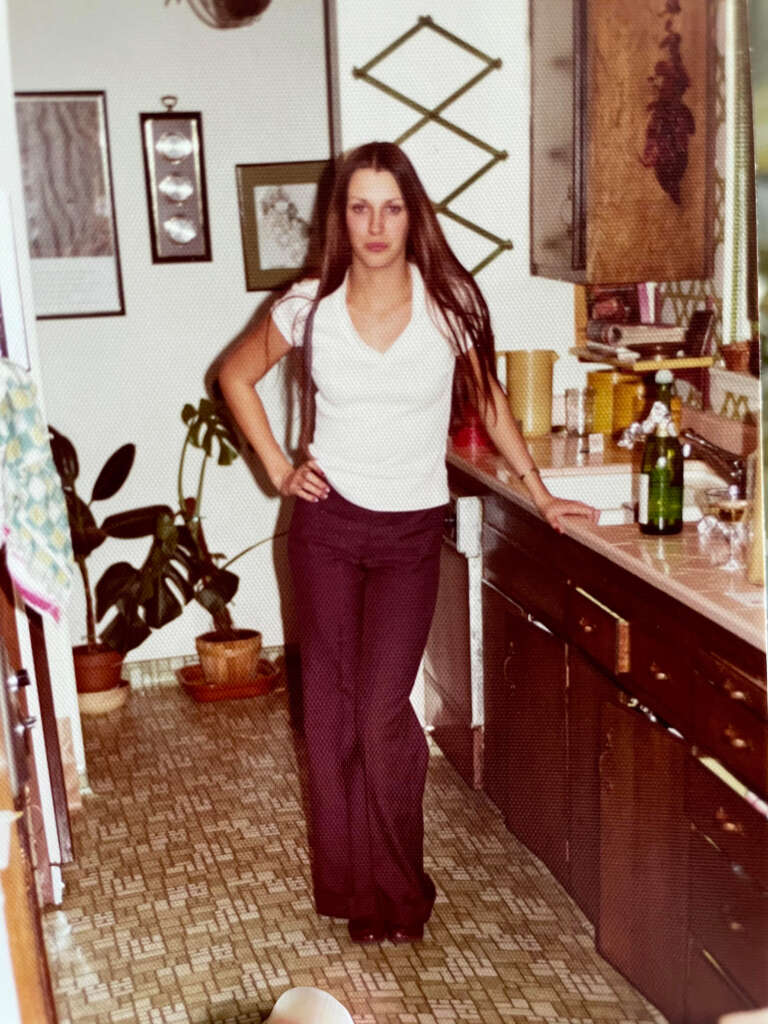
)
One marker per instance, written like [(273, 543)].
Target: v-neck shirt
[(381, 421)]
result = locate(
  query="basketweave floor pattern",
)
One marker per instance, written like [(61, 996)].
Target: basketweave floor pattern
[(190, 898)]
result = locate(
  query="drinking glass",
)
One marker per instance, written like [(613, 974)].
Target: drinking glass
[(579, 411), (730, 509)]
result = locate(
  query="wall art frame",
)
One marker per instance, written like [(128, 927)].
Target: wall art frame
[(174, 170), (279, 209), (70, 206)]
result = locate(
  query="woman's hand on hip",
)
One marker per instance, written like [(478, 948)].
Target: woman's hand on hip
[(555, 508), (306, 481)]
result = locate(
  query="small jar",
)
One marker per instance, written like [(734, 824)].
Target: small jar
[(628, 401)]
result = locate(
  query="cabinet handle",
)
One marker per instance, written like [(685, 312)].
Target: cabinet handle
[(734, 827), (658, 674), (586, 626), (732, 690), (736, 741), (735, 926)]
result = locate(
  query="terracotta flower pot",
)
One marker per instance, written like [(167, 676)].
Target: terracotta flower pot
[(736, 356), (97, 668), (229, 659)]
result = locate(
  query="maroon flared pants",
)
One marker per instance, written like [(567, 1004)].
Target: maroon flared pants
[(365, 585)]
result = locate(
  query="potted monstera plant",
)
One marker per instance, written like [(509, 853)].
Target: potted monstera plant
[(179, 566)]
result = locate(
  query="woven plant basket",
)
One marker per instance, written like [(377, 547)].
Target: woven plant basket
[(228, 660)]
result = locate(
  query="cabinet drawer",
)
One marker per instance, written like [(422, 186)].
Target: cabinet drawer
[(597, 630), (738, 829), (730, 731), (741, 687), (728, 915), (662, 675), (537, 586)]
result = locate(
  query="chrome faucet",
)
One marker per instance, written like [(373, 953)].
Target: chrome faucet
[(729, 465)]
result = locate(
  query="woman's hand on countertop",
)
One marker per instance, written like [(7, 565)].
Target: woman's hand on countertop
[(555, 508), (306, 481)]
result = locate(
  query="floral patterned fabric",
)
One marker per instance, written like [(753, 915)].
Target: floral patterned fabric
[(38, 546)]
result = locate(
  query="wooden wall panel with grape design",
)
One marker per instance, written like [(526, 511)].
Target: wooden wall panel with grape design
[(651, 160), (638, 204)]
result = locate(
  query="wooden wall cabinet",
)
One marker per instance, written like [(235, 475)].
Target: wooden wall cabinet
[(598, 214)]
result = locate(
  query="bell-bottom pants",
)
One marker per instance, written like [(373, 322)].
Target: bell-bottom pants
[(365, 584)]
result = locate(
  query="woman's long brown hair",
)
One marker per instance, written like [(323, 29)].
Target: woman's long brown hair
[(457, 302)]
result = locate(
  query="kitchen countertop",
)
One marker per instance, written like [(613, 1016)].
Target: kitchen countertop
[(679, 564)]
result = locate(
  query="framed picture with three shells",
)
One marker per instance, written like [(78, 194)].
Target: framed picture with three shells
[(175, 178)]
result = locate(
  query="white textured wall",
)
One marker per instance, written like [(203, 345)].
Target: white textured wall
[(25, 350), (527, 312), (109, 380)]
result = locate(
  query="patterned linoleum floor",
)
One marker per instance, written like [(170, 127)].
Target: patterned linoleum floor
[(190, 898)]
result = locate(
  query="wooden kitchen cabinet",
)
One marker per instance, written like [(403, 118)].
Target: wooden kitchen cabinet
[(588, 689), (525, 741), (643, 919), (667, 860), (597, 213), (728, 926)]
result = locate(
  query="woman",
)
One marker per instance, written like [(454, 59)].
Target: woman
[(391, 328)]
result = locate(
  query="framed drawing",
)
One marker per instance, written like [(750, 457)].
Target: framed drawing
[(64, 145), (278, 208), (13, 335), (175, 180)]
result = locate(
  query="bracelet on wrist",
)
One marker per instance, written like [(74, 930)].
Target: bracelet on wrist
[(531, 469)]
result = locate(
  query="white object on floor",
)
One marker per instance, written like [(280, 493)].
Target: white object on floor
[(305, 1005)]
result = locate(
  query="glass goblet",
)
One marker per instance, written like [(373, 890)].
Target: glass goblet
[(729, 508)]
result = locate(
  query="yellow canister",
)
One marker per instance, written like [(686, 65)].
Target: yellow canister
[(529, 389), (628, 400), (603, 382)]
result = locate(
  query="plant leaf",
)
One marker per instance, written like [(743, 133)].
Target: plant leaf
[(227, 454), (64, 457), (188, 412), (185, 587), (136, 522), (114, 473), (125, 631), (162, 606), (118, 582), (223, 583), (86, 535)]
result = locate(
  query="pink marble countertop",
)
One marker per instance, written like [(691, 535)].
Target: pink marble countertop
[(680, 565)]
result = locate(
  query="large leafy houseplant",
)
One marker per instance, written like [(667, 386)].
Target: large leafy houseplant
[(179, 566), (97, 665)]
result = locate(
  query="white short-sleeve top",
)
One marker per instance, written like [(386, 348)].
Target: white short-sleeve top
[(381, 422)]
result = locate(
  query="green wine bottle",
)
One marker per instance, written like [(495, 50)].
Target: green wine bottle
[(661, 483)]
